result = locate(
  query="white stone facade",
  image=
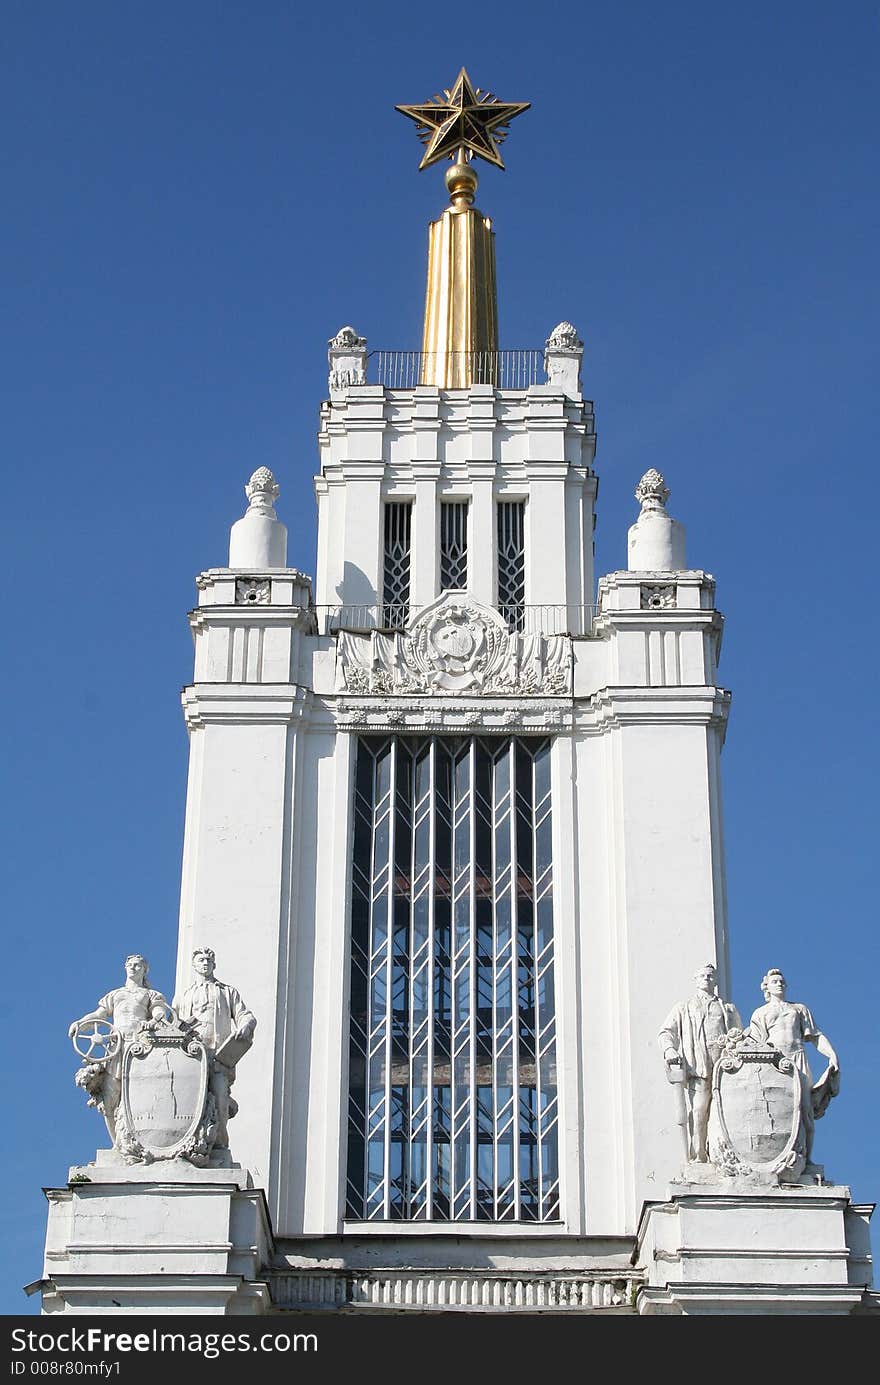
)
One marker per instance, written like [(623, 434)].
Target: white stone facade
[(637, 720), (638, 861), (479, 445)]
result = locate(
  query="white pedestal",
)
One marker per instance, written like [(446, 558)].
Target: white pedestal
[(734, 1249), (161, 1238)]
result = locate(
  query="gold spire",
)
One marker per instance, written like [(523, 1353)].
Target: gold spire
[(460, 338)]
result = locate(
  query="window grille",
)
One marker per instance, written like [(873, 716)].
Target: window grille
[(453, 545), (453, 1111), (511, 562), (395, 594)]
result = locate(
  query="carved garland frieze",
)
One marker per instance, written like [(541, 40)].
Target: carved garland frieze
[(455, 645), (450, 717)]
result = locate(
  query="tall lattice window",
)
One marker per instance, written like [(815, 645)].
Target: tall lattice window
[(453, 545), (512, 562), (452, 1102), (395, 593)]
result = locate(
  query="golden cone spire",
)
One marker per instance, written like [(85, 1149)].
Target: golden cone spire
[(460, 337)]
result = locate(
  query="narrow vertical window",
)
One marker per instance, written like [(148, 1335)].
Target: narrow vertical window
[(453, 1112), (512, 562), (395, 593), (453, 545)]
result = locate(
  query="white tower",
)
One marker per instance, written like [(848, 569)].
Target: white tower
[(454, 830)]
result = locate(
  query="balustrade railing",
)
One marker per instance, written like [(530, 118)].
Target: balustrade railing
[(526, 619), (512, 369)]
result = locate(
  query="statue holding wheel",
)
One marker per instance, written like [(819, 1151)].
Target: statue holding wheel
[(99, 1037), (160, 1074)]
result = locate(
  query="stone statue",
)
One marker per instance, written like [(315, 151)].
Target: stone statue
[(691, 1041), (122, 1013), (347, 358), (216, 1013), (786, 1026), (161, 1080)]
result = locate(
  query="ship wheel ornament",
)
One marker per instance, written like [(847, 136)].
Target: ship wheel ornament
[(99, 1041), (463, 122)]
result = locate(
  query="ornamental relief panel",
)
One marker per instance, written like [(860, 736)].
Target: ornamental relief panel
[(454, 645), (451, 717)]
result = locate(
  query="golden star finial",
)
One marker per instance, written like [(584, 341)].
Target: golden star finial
[(468, 119)]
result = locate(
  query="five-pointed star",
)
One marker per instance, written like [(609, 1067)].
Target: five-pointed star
[(463, 121)]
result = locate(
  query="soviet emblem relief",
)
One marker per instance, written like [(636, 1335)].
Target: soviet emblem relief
[(455, 645)]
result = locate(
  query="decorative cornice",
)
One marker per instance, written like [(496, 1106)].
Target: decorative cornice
[(252, 615), (462, 472), (225, 574), (686, 577), (404, 410), (681, 706), (454, 714), (79, 1292), (690, 1298), (244, 703), (655, 617)]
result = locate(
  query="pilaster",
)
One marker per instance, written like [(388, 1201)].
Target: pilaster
[(546, 574), (652, 887), (244, 712), (358, 560), (484, 552), (425, 578)]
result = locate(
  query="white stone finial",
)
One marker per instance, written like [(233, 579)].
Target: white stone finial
[(346, 338), (259, 539), (652, 491), (656, 542), (347, 358), (563, 352), (564, 336), (262, 490)]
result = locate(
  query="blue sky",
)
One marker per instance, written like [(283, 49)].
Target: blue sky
[(198, 196)]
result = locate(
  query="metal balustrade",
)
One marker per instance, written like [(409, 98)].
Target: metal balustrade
[(525, 619), (512, 369)]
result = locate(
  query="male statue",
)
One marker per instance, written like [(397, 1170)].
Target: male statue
[(786, 1026), (129, 1008), (224, 1024), (691, 1041)]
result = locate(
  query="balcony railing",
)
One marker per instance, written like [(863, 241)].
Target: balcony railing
[(513, 369), (525, 619)]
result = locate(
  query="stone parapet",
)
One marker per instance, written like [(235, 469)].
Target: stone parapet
[(465, 1292), (165, 1239), (801, 1249)]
